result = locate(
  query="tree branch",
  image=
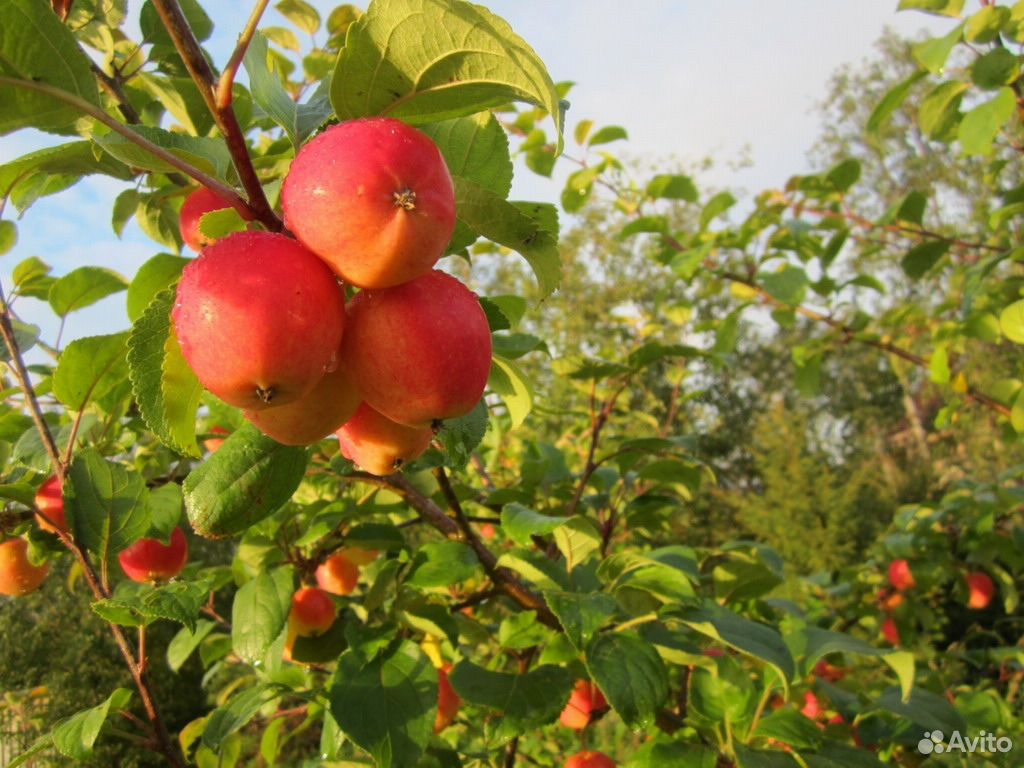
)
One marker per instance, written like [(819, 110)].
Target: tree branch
[(223, 95)]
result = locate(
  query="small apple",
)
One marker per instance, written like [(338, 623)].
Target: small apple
[(259, 319), (448, 701), (18, 577), (585, 702), (50, 502), (891, 631), (150, 560), (213, 444), (981, 590), (900, 575), (589, 759), (312, 417), (829, 672), (488, 531), (196, 205), (337, 575), (812, 707), (890, 601), (374, 199), (379, 445), (312, 613), (419, 352)]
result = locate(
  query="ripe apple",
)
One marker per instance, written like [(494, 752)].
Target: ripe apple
[(900, 575), (213, 444), (488, 531), (588, 759), (259, 319), (50, 502), (981, 589), (312, 612), (585, 702), (374, 199), (150, 560), (812, 707), (379, 445), (337, 575), (196, 205), (891, 631), (448, 701), (419, 352), (312, 417), (18, 577)]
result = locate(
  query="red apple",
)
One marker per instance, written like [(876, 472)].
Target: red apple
[(213, 444), (312, 612), (150, 560), (900, 576), (829, 672), (312, 417), (981, 590), (488, 531), (374, 199), (50, 502), (891, 631), (18, 577), (585, 702), (448, 701), (337, 575), (812, 707), (259, 319), (379, 445), (196, 205), (588, 759), (419, 352)]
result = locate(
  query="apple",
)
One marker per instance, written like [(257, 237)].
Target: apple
[(891, 631), (196, 205), (213, 444), (312, 417), (900, 575), (379, 445), (150, 560), (18, 577), (585, 702), (337, 575), (360, 556), (890, 601), (829, 672), (488, 531), (50, 502), (419, 352), (981, 589), (259, 319), (589, 759), (373, 198), (812, 707), (312, 612), (448, 701)]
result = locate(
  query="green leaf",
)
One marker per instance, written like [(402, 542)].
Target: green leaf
[(788, 286), (580, 615), (511, 385), (938, 7), (460, 436), (507, 224), (217, 224), (756, 758), (981, 125), (921, 258), (125, 205), (475, 148), (88, 368), (386, 704), (940, 111), (996, 68), (925, 709), (577, 540), (68, 161), (8, 236), (165, 505), (208, 155), (106, 504), (790, 727), (631, 675), (525, 701), (890, 103), (522, 630), (984, 26), (301, 14), (166, 390), (83, 287), (250, 477), (473, 61), (259, 613), (932, 54), (442, 563), (713, 208), (236, 714), (153, 28), (844, 175), (432, 619), (184, 644), (903, 664), (672, 187), (35, 46), (607, 135), (158, 220), (658, 752), (1011, 322), (178, 601), (76, 736), (520, 523), (158, 273)]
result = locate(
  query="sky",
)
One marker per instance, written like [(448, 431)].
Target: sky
[(688, 79)]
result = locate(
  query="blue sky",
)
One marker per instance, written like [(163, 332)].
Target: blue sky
[(686, 78)]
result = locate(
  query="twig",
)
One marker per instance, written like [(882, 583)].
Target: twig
[(222, 97), (597, 424), (112, 85)]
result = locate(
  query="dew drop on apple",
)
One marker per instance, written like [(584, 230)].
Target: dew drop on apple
[(332, 363)]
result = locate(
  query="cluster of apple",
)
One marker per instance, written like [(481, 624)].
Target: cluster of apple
[(585, 705), (147, 561), (262, 320)]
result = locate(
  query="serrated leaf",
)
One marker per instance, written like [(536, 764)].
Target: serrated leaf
[(83, 287), (580, 615), (178, 601), (510, 383), (76, 736), (208, 155), (475, 148), (460, 436), (630, 674), (217, 224), (259, 613), (89, 367)]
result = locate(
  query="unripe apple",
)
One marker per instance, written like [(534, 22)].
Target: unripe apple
[(891, 631), (259, 319), (150, 560), (312, 417), (585, 702), (379, 445), (50, 502), (981, 590), (18, 577), (312, 612), (374, 199), (196, 205), (900, 575), (337, 575), (588, 759), (419, 352), (448, 701)]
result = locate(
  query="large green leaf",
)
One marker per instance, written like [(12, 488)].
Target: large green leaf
[(83, 287), (441, 563), (428, 60), (158, 273), (166, 390), (249, 477), (35, 46), (178, 601), (185, 643), (980, 126), (208, 155), (631, 675), (580, 615), (509, 382), (259, 613), (88, 368), (236, 713), (76, 736), (50, 170), (475, 148), (386, 704), (520, 523)]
